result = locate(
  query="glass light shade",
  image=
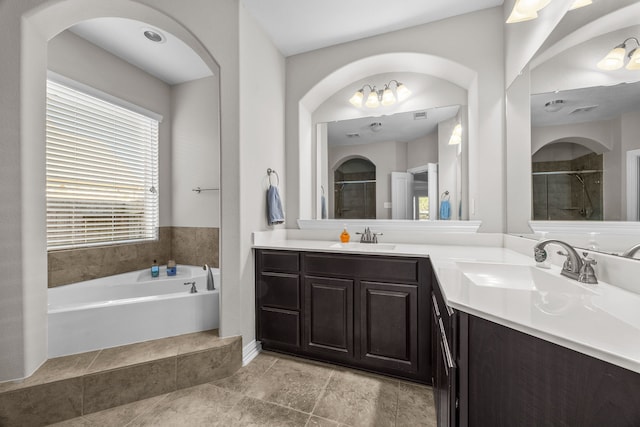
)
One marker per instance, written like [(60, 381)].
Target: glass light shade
[(372, 100), (356, 99), (614, 59), (528, 6), (517, 16), (388, 98), (634, 60), (580, 3), (402, 92), (456, 135)]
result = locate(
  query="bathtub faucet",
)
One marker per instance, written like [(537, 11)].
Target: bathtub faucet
[(193, 287), (210, 284)]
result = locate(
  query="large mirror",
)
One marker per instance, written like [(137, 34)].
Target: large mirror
[(585, 149), (404, 162)]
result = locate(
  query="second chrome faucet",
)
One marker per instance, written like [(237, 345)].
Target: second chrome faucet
[(574, 267)]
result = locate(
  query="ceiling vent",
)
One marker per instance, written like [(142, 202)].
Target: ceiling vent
[(420, 115), (353, 135), (584, 109)]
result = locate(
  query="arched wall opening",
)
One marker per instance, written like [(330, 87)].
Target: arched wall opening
[(354, 186), (28, 341), (432, 65)]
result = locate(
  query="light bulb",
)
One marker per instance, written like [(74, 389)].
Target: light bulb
[(402, 92), (372, 99), (456, 135), (526, 6), (356, 99), (387, 97), (614, 59), (580, 3), (634, 60)]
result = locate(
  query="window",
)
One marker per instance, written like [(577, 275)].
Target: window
[(102, 163)]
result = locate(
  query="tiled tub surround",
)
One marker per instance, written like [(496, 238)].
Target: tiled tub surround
[(185, 245), (72, 386), (585, 326), (128, 308)]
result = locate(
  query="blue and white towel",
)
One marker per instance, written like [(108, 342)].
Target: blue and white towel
[(445, 209), (275, 214)]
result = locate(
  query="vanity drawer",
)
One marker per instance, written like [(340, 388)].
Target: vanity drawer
[(279, 290), (281, 261), (404, 270), (280, 326)]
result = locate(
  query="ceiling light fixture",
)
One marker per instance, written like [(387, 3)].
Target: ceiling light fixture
[(456, 135), (526, 10), (614, 60), (153, 35), (384, 96), (554, 106)]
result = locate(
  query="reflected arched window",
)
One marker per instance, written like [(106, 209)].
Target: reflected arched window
[(355, 189)]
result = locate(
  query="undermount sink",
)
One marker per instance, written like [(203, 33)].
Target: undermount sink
[(365, 246), (520, 277)]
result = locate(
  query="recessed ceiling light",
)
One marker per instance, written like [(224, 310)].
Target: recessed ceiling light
[(153, 35), (553, 106)]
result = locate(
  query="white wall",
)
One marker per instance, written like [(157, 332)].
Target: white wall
[(211, 29), (422, 151), (262, 86), (314, 76), (447, 166), (195, 153)]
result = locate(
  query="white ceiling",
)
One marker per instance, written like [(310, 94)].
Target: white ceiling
[(172, 61), (297, 26)]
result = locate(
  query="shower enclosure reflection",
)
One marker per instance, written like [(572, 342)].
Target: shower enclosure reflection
[(355, 189)]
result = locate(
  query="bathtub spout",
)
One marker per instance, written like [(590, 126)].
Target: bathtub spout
[(210, 285), (193, 287)]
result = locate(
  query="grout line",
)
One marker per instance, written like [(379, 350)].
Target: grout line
[(87, 369), (326, 384), (151, 407), (395, 421)]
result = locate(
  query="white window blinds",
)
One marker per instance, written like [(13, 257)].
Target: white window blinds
[(102, 163)]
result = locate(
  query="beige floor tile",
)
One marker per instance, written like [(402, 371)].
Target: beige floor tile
[(247, 375), (415, 406), (42, 404), (291, 383), (108, 389), (56, 369), (114, 417), (74, 422), (201, 405), (321, 422), (251, 412), (126, 355), (208, 365), (359, 400)]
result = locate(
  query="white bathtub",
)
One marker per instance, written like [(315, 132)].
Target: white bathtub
[(128, 308)]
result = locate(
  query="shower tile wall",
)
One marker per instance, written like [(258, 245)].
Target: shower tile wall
[(186, 245), (560, 197)]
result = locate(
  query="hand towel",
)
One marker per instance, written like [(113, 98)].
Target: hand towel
[(323, 207), (275, 215), (445, 209)]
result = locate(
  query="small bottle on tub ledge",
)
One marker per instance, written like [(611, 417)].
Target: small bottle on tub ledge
[(171, 268), (155, 269)]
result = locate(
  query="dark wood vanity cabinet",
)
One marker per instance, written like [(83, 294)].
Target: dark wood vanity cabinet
[(366, 311), (498, 376)]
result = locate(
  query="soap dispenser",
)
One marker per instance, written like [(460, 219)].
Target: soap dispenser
[(344, 237), (155, 269)]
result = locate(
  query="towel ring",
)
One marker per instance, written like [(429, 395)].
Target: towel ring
[(272, 171), (445, 195)]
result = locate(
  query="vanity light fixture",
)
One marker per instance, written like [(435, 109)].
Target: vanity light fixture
[(380, 96), (614, 60), (456, 135), (526, 10)]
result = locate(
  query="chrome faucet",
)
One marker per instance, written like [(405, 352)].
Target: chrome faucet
[(210, 283), (193, 287), (574, 267), (368, 237), (629, 253)]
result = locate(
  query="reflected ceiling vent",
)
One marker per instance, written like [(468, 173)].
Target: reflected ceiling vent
[(376, 126), (584, 109), (353, 135), (554, 106), (419, 115)]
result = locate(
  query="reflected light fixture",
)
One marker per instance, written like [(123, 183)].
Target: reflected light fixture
[(526, 10), (614, 60), (383, 96), (456, 135), (554, 106)]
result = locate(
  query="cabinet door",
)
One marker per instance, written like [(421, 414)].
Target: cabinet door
[(389, 326), (329, 316)]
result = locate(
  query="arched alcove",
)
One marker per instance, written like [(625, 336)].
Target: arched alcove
[(354, 187), (28, 342)]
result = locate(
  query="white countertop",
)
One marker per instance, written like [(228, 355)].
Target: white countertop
[(505, 287)]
